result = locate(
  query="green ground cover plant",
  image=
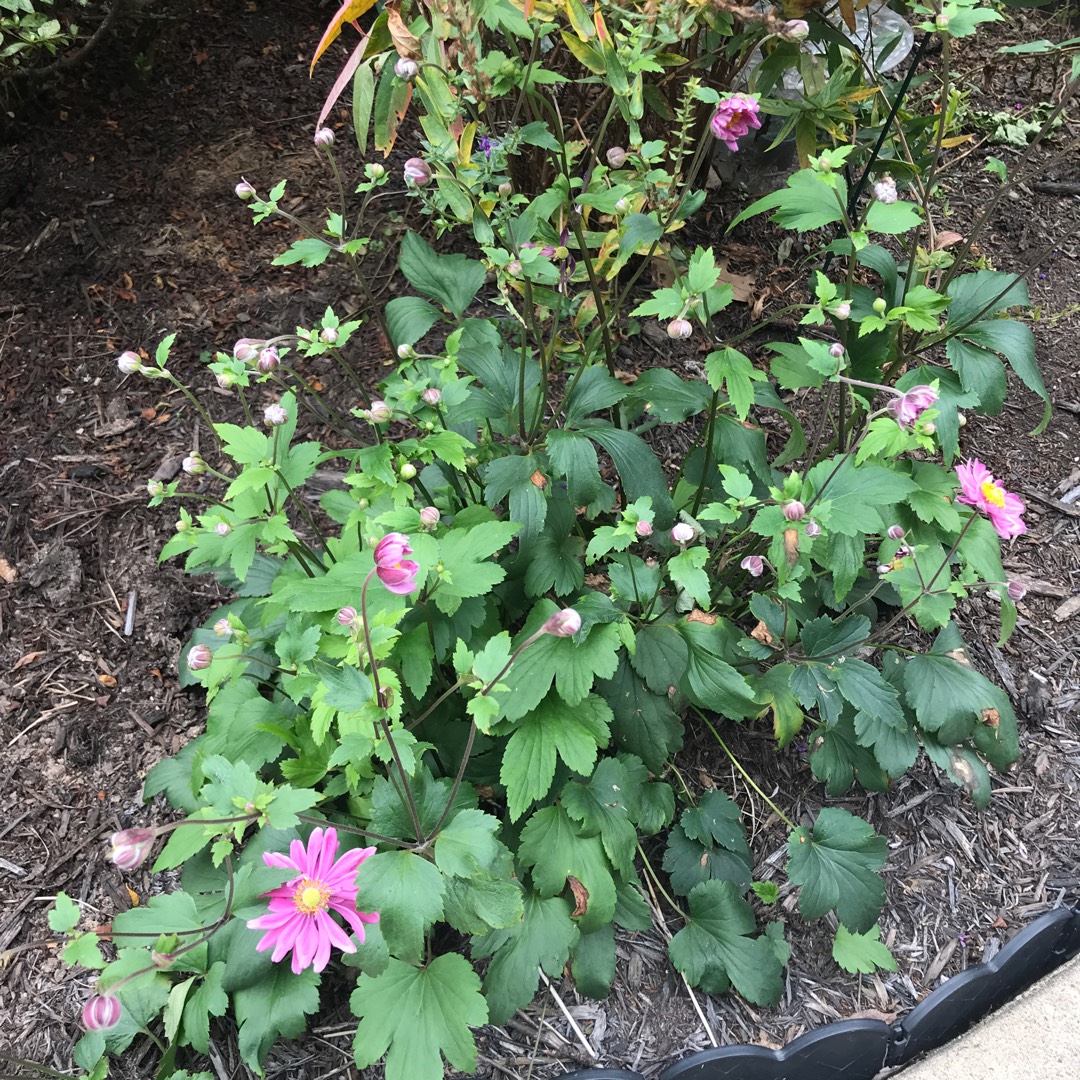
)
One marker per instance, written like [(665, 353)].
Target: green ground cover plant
[(447, 700)]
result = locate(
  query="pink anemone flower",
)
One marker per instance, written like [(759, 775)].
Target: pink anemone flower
[(734, 117), (299, 917), (397, 573), (978, 488)]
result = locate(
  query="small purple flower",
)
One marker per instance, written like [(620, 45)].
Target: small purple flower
[(813, 528), (754, 565), (199, 657), (565, 623), (734, 117), (1016, 591), (275, 415), (910, 405), (101, 1012), (417, 172), (682, 533), (130, 363), (836, 350), (245, 191), (486, 144), (132, 847), (794, 510), (643, 529), (324, 137), (895, 532), (679, 328)]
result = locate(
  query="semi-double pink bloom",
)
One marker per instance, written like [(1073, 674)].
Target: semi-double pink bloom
[(734, 117), (978, 488), (394, 570), (299, 917)]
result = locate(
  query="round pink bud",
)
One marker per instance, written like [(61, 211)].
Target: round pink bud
[(616, 157), (199, 657), (130, 847), (223, 628), (225, 379), (129, 363), (245, 191), (417, 172), (247, 349), (324, 137), (328, 335), (432, 395), (101, 1012), (430, 517), (794, 510), (895, 532), (155, 488), (565, 623), (275, 415), (836, 350), (379, 412), (754, 565), (813, 528), (885, 190), (405, 352), (643, 529), (795, 30), (406, 69), (1016, 591), (268, 359), (347, 616), (506, 189), (223, 528), (683, 533), (193, 465), (842, 310), (679, 328)]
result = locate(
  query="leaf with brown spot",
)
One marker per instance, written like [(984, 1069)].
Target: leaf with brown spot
[(405, 42), (991, 718), (761, 633), (581, 897), (791, 546)]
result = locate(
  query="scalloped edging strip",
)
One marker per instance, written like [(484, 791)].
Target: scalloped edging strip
[(859, 1049)]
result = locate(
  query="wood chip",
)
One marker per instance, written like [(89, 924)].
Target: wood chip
[(1068, 609)]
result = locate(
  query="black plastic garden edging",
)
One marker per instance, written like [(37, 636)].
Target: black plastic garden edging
[(859, 1049)]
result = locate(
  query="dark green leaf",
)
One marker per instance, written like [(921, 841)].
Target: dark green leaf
[(452, 280), (643, 723)]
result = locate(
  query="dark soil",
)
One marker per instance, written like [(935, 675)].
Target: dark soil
[(117, 225)]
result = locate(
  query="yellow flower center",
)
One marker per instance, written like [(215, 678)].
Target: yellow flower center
[(993, 493), (311, 896)]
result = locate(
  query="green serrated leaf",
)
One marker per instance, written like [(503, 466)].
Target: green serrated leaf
[(407, 892), (861, 953)]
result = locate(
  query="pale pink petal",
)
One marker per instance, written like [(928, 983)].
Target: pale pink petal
[(275, 858), (333, 933)]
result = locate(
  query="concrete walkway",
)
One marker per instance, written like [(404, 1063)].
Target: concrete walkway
[(1035, 1035)]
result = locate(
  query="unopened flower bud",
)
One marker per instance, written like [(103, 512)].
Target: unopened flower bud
[(417, 172), (432, 395), (842, 310), (565, 623), (199, 657), (623, 206), (895, 532), (406, 69), (131, 847), (225, 379), (643, 529), (275, 415), (883, 569), (880, 306), (324, 137), (513, 267), (813, 528), (683, 532), (223, 528), (347, 616), (193, 465), (929, 428), (795, 30), (223, 628), (836, 350), (181, 526), (616, 157), (794, 510), (268, 359), (379, 412), (429, 517), (1016, 591), (101, 1012), (245, 191), (405, 352), (376, 171), (247, 349), (941, 21), (506, 189), (679, 328), (328, 335), (155, 488), (754, 565), (407, 471), (129, 363), (885, 190)]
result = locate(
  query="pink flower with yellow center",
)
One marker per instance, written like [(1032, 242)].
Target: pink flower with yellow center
[(299, 918), (978, 488), (734, 117), (395, 571)]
